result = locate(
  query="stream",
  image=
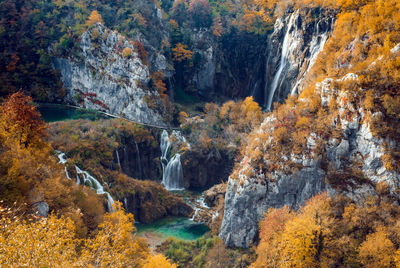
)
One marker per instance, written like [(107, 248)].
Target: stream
[(157, 232)]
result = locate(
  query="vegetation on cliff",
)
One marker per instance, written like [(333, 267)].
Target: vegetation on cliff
[(331, 232), (77, 232)]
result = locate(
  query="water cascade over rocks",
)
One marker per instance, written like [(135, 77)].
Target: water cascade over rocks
[(172, 168), (84, 178), (284, 61), (294, 46)]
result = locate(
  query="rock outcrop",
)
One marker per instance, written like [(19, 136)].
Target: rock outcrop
[(249, 197), (293, 47), (148, 201), (107, 74)]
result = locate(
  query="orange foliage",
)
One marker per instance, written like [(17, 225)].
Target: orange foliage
[(127, 52), (94, 18), (141, 51), (181, 53)]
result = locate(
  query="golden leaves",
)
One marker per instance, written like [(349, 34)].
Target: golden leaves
[(181, 53), (94, 18)]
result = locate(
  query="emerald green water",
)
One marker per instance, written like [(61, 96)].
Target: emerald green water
[(53, 113), (181, 228)]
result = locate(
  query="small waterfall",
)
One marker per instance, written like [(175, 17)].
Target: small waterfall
[(90, 181), (317, 45), (138, 162), (172, 169), (126, 204), (164, 146), (84, 178), (199, 205), (118, 161), (278, 78), (173, 174)]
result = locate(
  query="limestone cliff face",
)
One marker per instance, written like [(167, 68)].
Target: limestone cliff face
[(100, 77), (248, 198), (268, 67), (293, 47)]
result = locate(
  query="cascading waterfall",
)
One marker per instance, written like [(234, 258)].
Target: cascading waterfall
[(164, 146), (172, 169), (317, 45), (119, 162), (173, 174), (278, 78), (138, 162), (84, 178)]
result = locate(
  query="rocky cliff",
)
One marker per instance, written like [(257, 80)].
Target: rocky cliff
[(107, 74), (350, 163), (293, 48)]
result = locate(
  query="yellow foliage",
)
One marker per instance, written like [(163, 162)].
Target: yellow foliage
[(114, 245), (158, 261), (293, 240), (127, 52), (377, 250), (181, 53), (46, 242), (369, 100), (94, 18)]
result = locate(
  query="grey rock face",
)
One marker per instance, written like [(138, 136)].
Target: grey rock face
[(246, 204), (102, 78), (42, 209), (293, 48), (247, 199), (203, 79)]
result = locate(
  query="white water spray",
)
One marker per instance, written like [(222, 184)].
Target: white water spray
[(172, 169), (317, 45), (84, 178), (276, 83)]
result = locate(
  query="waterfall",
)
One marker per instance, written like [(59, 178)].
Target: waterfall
[(278, 78), (199, 205), (138, 162), (118, 161), (172, 169), (164, 146), (84, 178), (173, 174), (126, 204), (317, 45)]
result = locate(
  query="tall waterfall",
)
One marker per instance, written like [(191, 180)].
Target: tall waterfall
[(172, 168), (317, 45), (288, 65), (118, 161), (283, 62), (84, 178)]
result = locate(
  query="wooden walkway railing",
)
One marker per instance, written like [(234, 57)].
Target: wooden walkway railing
[(113, 116)]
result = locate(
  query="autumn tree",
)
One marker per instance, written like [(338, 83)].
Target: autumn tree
[(20, 120), (377, 250), (181, 53), (115, 244), (94, 18), (216, 27), (36, 243), (141, 50), (127, 52)]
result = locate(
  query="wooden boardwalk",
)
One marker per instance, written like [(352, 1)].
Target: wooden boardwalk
[(114, 116)]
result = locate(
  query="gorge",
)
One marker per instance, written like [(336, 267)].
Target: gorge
[(255, 133)]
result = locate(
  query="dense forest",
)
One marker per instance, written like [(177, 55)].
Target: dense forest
[(174, 127)]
